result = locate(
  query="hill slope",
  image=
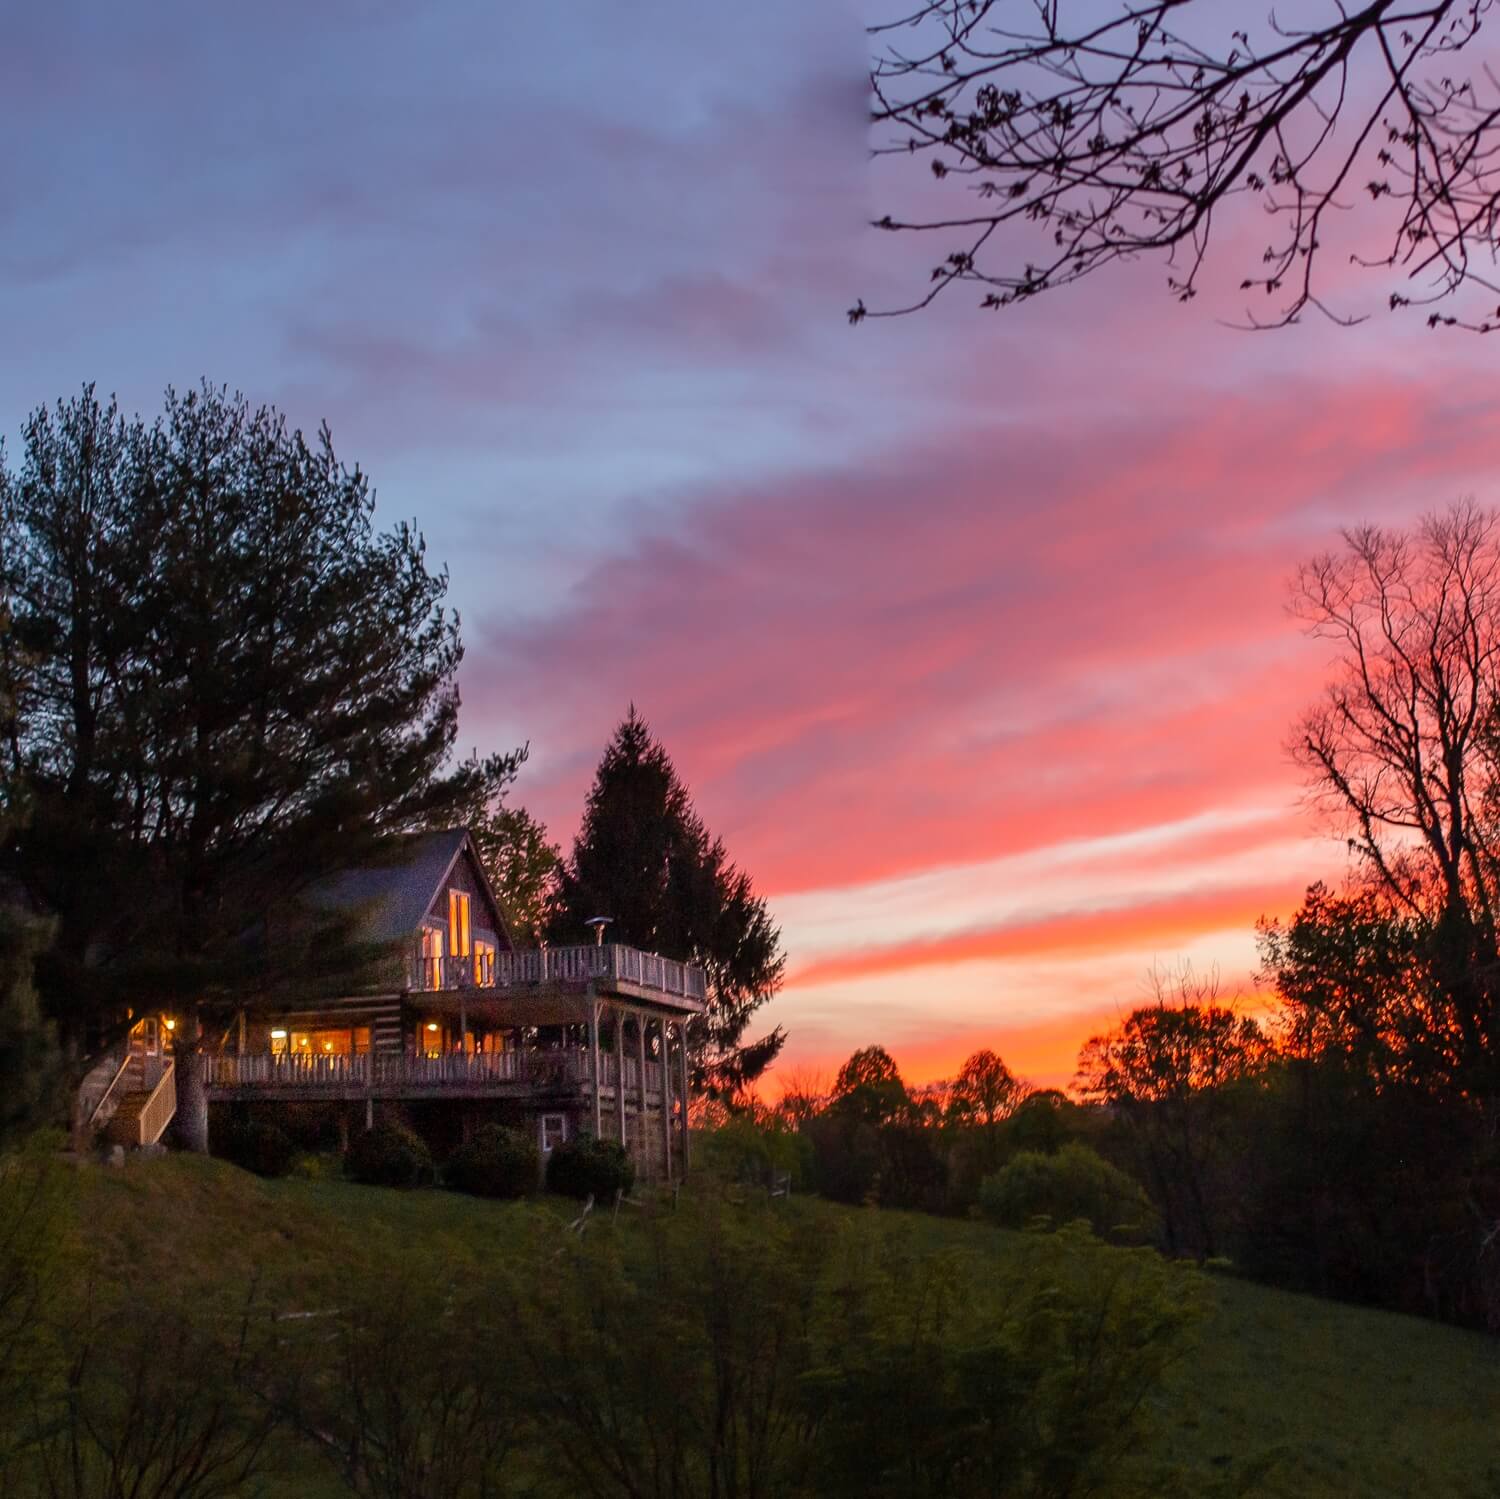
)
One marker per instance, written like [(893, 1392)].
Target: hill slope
[(1335, 1400)]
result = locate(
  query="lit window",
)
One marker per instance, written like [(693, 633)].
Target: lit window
[(554, 1131), (484, 963), (458, 923), (432, 958)]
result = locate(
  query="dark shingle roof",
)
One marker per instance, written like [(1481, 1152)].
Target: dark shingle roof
[(392, 897)]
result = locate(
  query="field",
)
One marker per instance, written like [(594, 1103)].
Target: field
[(1308, 1397)]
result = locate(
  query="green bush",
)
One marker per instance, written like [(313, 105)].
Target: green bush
[(579, 1167), (497, 1162), (747, 1151), (257, 1146), (1073, 1183), (389, 1155)]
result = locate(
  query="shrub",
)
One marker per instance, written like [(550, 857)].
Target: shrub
[(579, 1167), (497, 1162), (258, 1147), (389, 1155), (754, 1152), (1074, 1182)]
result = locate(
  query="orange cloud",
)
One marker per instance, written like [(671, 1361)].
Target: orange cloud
[(1164, 925)]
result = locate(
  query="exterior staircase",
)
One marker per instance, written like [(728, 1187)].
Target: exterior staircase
[(130, 1098)]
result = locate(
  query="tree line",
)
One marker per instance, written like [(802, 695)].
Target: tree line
[(1346, 1143)]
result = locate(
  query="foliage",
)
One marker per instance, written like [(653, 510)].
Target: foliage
[(257, 1146), (755, 1150), (869, 1087), (936, 1379), (644, 858), (31, 1065), (1323, 1389), (155, 1404), (36, 1271), (1070, 139), (497, 1162), (1169, 1073), (405, 1398), (675, 1369), (1070, 1184), (984, 1092), (584, 1167), (389, 1155)]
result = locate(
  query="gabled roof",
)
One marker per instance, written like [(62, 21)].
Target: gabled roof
[(390, 897)]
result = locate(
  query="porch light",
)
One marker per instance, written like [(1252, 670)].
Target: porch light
[(171, 1025), (328, 1046), (432, 1025), (599, 923)]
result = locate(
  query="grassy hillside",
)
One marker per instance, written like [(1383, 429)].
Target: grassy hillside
[(1316, 1398)]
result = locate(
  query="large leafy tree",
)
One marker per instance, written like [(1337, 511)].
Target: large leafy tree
[(225, 683), (1063, 136), (644, 858)]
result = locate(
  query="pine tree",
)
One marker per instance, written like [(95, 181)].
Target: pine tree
[(226, 684), (644, 858)]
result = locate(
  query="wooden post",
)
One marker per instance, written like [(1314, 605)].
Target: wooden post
[(682, 1078), (239, 1040), (594, 1061), (620, 1075), (666, 1103), (463, 1024), (640, 1088)]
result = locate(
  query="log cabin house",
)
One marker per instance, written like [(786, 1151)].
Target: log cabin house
[(458, 1027)]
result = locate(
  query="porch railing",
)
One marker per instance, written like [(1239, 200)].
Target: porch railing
[(610, 962), (393, 1069), (562, 1067)]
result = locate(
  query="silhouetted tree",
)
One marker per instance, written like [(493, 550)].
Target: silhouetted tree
[(984, 1092), (869, 1086), (1165, 1072), (225, 684), (1403, 749), (644, 858), (1067, 137)]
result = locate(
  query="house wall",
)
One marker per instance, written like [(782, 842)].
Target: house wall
[(484, 919)]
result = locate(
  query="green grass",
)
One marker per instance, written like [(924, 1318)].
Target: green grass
[(1332, 1399)]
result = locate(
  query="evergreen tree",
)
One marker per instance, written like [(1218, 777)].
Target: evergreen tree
[(31, 1070), (225, 684), (644, 858)]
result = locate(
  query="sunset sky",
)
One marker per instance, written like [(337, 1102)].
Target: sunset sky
[(967, 631)]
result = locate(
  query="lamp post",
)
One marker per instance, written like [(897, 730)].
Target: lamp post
[(599, 923)]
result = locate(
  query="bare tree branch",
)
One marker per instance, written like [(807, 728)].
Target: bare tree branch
[(1114, 138)]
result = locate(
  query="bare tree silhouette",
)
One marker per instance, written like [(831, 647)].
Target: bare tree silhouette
[(1120, 136)]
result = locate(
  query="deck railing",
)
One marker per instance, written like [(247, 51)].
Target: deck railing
[(560, 1067), (606, 963)]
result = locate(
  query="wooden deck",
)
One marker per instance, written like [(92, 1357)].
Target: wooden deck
[(607, 969)]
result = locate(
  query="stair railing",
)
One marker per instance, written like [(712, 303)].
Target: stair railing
[(160, 1107), (99, 1117)]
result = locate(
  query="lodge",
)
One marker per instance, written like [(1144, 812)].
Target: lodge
[(457, 1027)]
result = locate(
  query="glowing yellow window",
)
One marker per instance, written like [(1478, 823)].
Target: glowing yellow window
[(458, 923), (432, 958), (484, 962)]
